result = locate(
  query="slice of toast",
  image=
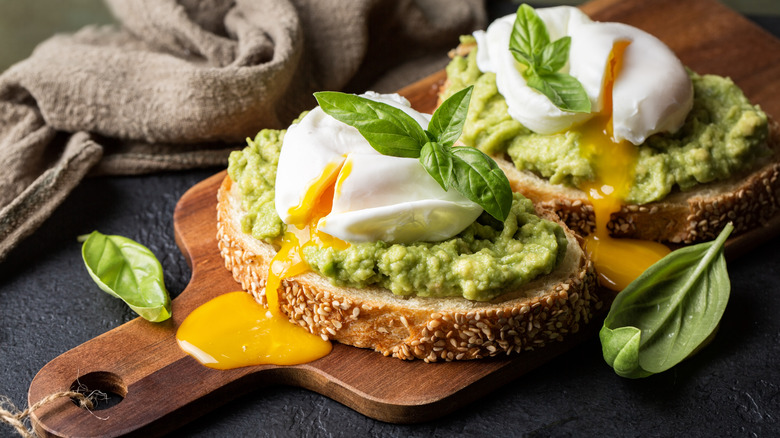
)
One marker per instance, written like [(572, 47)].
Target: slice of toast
[(542, 311)]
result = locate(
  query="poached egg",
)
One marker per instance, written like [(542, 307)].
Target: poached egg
[(372, 196), (652, 93), (637, 88)]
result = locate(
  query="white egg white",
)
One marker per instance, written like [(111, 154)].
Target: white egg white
[(404, 205), (526, 105), (380, 197), (652, 92)]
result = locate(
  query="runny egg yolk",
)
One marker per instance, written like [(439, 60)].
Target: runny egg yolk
[(233, 330), (617, 261), (302, 231)]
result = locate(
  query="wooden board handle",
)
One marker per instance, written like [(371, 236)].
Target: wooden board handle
[(160, 386), (139, 362)]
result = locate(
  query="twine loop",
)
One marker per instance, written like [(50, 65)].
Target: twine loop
[(19, 420)]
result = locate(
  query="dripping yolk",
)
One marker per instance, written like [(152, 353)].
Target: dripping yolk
[(316, 201), (302, 231), (617, 261), (233, 330)]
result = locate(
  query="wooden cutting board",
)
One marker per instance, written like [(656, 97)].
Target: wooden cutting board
[(161, 387)]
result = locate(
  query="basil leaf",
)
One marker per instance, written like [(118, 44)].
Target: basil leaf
[(129, 271), (530, 45), (473, 174), (529, 36), (447, 121), (621, 350), (563, 90), (437, 161), (477, 177), (673, 307), (555, 56), (387, 129)]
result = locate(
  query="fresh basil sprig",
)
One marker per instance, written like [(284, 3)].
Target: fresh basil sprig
[(129, 271), (667, 312), (392, 132), (530, 45)]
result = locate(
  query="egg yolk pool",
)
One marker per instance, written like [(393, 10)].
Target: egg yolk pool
[(234, 331), (618, 261)]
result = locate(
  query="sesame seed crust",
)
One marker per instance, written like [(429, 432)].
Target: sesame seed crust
[(430, 329)]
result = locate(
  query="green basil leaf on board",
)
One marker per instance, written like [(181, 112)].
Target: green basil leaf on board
[(667, 312), (387, 129), (129, 271), (473, 174), (530, 45), (447, 121)]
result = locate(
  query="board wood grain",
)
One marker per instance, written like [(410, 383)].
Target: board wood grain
[(162, 387)]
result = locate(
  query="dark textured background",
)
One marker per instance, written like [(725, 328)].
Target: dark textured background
[(48, 305)]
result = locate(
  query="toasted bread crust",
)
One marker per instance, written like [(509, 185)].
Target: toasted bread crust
[(415, 328), (748, 200)]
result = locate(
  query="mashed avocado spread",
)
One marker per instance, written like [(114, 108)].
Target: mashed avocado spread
[(485, 260), (723, 134)]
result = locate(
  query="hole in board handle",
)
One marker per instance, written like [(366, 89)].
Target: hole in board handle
[(109, 384)]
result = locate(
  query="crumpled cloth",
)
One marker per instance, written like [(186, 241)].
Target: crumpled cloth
[(179, 84)]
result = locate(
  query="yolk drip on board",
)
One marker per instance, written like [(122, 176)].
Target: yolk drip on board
[(617, 261), (233, 330)]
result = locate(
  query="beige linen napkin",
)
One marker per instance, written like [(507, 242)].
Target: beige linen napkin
[(178, 84)]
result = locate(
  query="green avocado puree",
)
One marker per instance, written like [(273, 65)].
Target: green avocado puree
[(485, 260), (722, 135)]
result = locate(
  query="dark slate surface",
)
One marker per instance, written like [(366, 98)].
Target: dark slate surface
[(48, 305)]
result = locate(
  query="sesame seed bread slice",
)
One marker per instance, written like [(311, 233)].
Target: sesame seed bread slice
[(431, 329)]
